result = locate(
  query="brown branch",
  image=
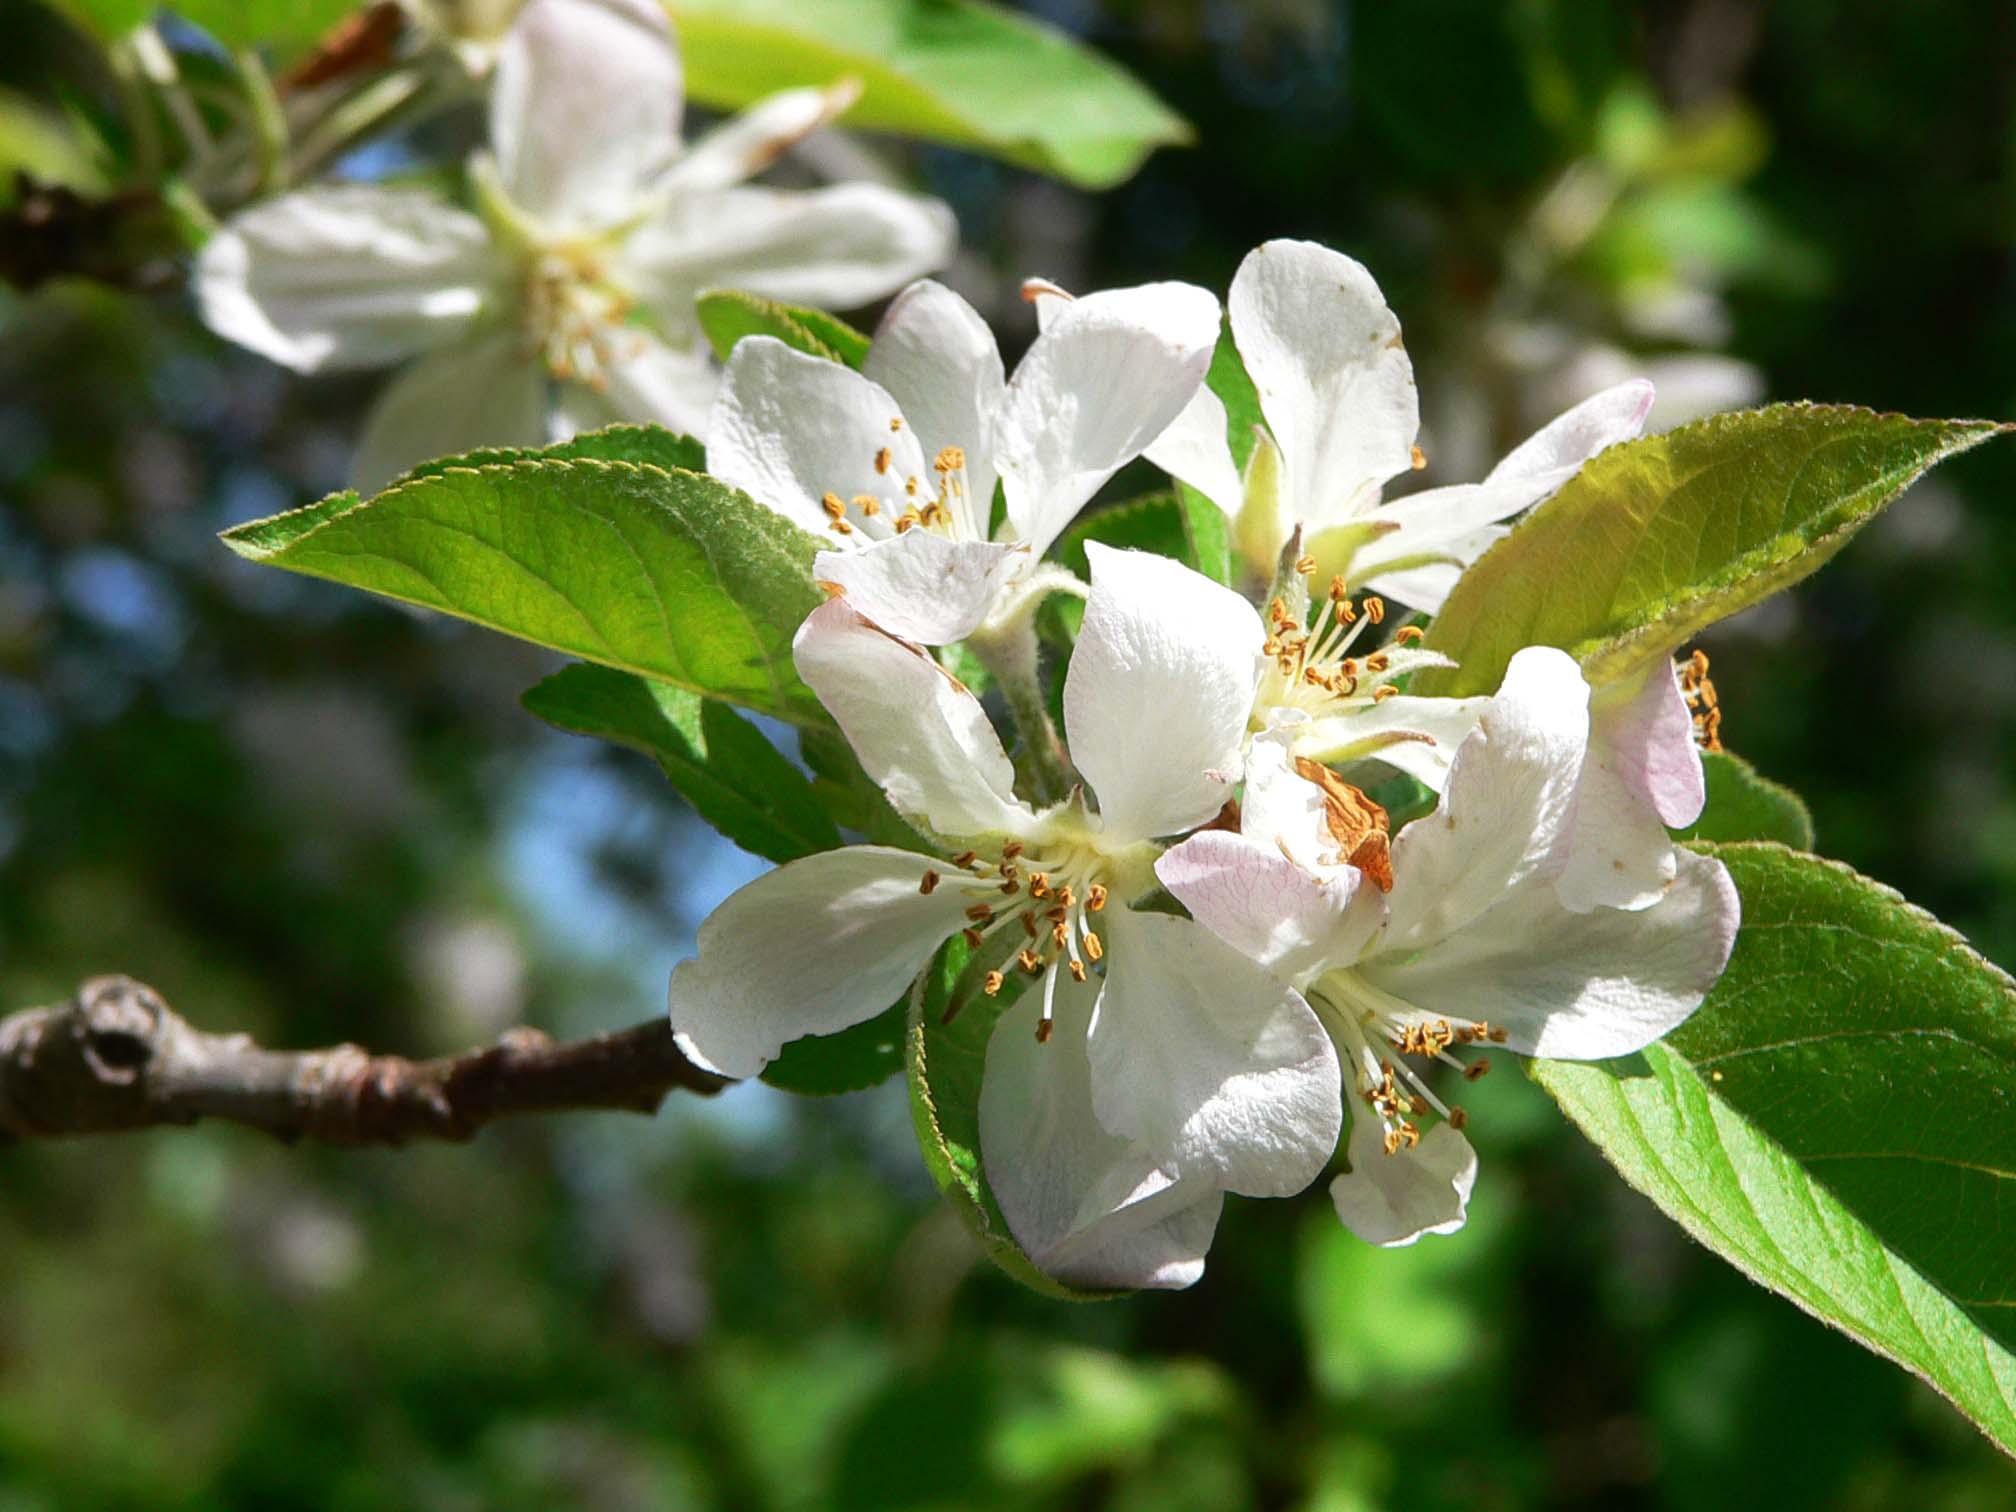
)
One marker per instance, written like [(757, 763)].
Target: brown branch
[(117, 1057)]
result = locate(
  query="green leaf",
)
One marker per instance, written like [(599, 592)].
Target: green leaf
[(1838, 1121), (727, 315), (1744, 806), (1656, 539), (951, 71), (723, 765), (643, 568), (945, 1062), (650, 445), (1229, 380), (854, 1059), (1207, 535)]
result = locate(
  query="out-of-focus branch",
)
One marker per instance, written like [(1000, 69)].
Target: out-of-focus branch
[(117, 1057)]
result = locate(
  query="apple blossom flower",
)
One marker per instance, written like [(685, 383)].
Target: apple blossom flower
[(566, 300), (897, 464), (1148, 1067), (1337, 392), (1451, 934)]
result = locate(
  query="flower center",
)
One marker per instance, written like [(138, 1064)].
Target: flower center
[(906, 503), (1313, 670), (573, 314), (1045, 896), (1377, 1034)]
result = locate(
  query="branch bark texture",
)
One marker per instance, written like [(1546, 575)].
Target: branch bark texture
[(116, 1057)]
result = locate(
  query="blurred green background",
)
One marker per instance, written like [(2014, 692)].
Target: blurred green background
[(316, 818)]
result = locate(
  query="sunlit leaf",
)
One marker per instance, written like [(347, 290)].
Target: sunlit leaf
[(953, 71), (727, 315), (1839, 1122), (1658, 538), (647, 569)]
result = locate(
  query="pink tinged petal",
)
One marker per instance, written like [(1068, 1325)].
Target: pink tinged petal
[(922, 587), (1392, 1200), (1578, 986), (1507, 806), (1555, 453), (1090, 1208), (745, 145), (1202, 1057), (835, 248), (1273, 912), (1166, 663), (1107, 375), (813, 947), (1643, 773), (346, 276), (788, 429), (646, 383), (918, 731), (1648, 736), (477, 394), (584, 108), (1196, 450), (937, 357), (1335, 383)]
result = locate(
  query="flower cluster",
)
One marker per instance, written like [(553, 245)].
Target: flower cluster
[(565, 299), (1212, 954)]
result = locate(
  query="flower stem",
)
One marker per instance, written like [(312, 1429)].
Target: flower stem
[(1008, 652)]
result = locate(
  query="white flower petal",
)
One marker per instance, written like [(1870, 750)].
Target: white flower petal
[(835, 248), (921, 586), (918, 732), (1577, 986), (646, 383), (1555, 453), (1392, 1200), (787, 429), (1107, 375), (1505, 811), (745, 145), (1165, 656), (811, 948), (939, 360), (1335, 383), (1642, 774), (478, 394), (1197, 450), (1091, 1209), (1273, 912), (584, 108), (1201, 1056), (345, 276)]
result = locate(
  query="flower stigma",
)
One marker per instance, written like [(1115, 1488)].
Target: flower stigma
[(1313, 670)]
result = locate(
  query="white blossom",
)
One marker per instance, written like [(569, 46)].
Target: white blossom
[(565, 301), (897, 464), (1148, 1067), (1452, 935), (1336, 389)]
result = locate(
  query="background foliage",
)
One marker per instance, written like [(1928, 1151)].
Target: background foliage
[(315, 818)]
